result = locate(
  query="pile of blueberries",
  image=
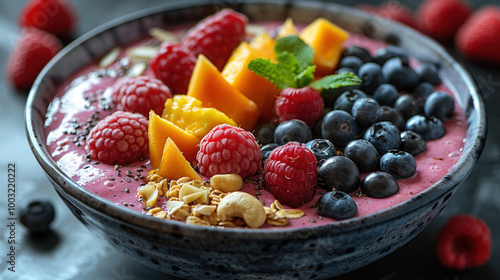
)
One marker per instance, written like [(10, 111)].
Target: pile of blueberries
[(376, 127)]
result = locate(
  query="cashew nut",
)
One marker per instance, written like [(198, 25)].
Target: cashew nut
[(226, 182), (243, 205)]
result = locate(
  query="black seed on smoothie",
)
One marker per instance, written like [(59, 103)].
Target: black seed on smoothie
[(125, 203), (111, 178), (131, 204), (312, 220), (127, 190), (127, 179), (129, 173)]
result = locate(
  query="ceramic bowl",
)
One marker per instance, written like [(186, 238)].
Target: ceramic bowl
[(191, 251)]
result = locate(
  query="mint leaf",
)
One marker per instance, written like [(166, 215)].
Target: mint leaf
[(306, 76), (302, 52), (288, 61), (282, 77), (336, 81)]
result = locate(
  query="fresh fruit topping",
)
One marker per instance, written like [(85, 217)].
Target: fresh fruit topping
[(385, 94), (346, 100), (392, 10), (339, 173), (412, 142), (34, 49), (383, 136), (441, 19), (400, 74), (429, 73), (381, 56), (358, 52), (174, 165), (120, 138), (173, 65), (423, 90), (216, 36), (337, 205), (351, 62), (228, 149), (140, 95), (266, 151), (392, 115), (290, 174), (464, 242), (429, 127), (322, 149), (408, 105), (366, 111), (37, 216), (339, 127), (399, 164), (265, 133), (371, 76), (363, 154), (441, 105), (475, 38), (54, 16), (304, 104), (288, 28), (292, 130), (379, 184)]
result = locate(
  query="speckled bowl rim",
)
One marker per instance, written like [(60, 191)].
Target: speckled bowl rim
[(474, 146)]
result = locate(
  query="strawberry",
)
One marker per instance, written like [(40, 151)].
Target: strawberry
[(34, 49), (441, 19), (216, 36), (392, 10), (479, 37), (54, 16)]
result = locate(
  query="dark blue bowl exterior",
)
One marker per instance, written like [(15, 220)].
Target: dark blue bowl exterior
[(190, 251)]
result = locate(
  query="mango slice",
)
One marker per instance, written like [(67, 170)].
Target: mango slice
[(186, 112), (209, 86), (287, 29), (326, 39), (253, 86), (159, 130), (174, 165), (265, 44)]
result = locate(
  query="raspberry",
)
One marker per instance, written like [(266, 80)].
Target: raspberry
[(34, 49), (464, 242), (305, 104), (54, 16), (216, 36), (173, 65), (475, 40), (441, 19), (290, 174), (120, 138), (228, 149), (140, 95)]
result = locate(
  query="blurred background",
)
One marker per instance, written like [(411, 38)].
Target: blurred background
[(72, 252)]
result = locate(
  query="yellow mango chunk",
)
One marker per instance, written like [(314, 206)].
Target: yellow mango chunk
[(253, 86), (174, 165), (326, 39), (287, 29), (159, 130), (265, 44), (209, 86), (186, 112)]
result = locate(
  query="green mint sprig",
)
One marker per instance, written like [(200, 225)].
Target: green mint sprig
[(295, 68)]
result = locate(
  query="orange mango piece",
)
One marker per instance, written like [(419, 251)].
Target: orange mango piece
[(253, 86), (287, 29), (265, 44), (159, 130), (326, 39), (209, 86), (174, 165)]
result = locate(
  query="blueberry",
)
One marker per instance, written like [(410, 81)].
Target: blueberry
[(429, 73), (385, 94), (265, 133), (400, 74), (363, 154), (267, 149), (371, 76), (408, 105), (336, 205), (366, 111), (429, 127), (37, 216), (322, 149), (383, 136), (399, 164), (423, 90), (412, 142), (392, 115), (316, 129), (440, 105), (330, 95), (339, 173), (339, 127), (292, 130), (351, 62), (358, 52), (346, 100), (346, 70), (382, 55), (379, 184)]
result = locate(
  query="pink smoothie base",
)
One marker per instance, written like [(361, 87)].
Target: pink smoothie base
[(120, 187)]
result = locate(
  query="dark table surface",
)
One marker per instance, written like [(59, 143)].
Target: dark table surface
[(75, 253)]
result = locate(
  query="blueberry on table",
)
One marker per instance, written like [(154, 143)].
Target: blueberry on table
[(408, 105), (383, 136), (399, 164), (392, 115), (412, 142), (429, 127), (363, 154), (292, 130), (358, 52), (399, 73), (339, 173), (346, 100), (37, 216), (379, 184), (440, 105), (337, 205), (429, 73), (371, 76), (382, 55), (267, 149), (339, 127), (386, 94), (322, 149), (366, 111), (351, 62)]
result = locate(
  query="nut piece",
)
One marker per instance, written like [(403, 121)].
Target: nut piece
[(226, 182), (243, 205)]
